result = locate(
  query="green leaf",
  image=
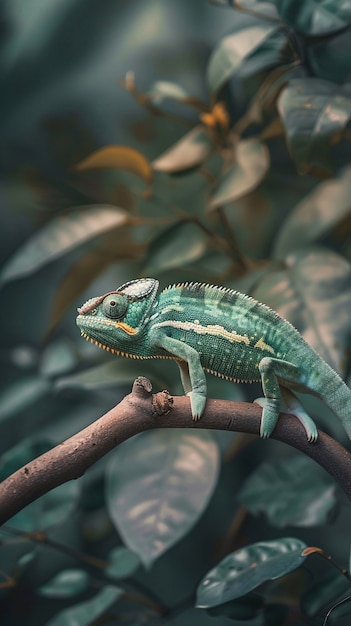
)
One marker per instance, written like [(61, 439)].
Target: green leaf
[(61, 235), (22, 453), (315, 284), (313, 111), (247, 568), (312, 218), (190, 151), (116, 373), (158, 486), (331, 59), (175, 247), (315, 17), (293, 492), (58, 358), (122, 562), (50, 510), (164, 89), (250, 167), (85, 613), (228, 56), (67, 583), (21, 395), (324, 591)]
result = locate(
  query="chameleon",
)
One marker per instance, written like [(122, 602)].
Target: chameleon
[(214, 329)]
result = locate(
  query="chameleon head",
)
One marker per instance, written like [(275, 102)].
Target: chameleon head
[(115, 320)]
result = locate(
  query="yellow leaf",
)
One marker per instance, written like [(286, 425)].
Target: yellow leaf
[(118, 157)]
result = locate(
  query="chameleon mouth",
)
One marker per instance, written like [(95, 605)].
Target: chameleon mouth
[(107, 348)]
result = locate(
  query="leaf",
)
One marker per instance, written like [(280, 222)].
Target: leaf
[(58, 358), (315, 284), (122, 563), (313, 218), (163, 89), (293, 492), (22, 453), (61, 235), (250, 167), (114, 373), (247, 568), (21, 395), (85, 613), (313, 17), (118, 157), (314, 111), (324, 591), (114, 246), (175, 247), (50, 510), (158, 485), (190, 151), (228, 56), (331, 59), (67, 583)]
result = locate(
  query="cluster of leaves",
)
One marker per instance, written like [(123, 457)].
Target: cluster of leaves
[(256, 196)]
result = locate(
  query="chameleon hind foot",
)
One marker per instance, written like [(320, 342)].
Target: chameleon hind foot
[(290, 405)]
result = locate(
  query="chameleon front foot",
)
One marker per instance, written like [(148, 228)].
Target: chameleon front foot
[(197, 403), (270, 415)]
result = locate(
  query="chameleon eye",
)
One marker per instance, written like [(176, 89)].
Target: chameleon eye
[(115, 305)]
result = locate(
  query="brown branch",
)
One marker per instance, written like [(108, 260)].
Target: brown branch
[(141, 411)]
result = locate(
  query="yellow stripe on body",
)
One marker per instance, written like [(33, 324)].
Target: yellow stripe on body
[(212, 329)]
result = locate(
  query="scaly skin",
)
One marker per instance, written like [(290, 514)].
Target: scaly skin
[(217, 330)]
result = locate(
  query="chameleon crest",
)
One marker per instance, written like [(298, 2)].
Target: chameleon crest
[(220, 331)]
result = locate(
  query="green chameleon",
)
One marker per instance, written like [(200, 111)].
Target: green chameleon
[(223, 332)]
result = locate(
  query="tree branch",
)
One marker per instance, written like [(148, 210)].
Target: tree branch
[(141, 411)]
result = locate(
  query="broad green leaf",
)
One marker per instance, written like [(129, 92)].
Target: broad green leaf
[(247, 568), (190, 151), (324, 592), (158, 485), (21, 395), (232, 51), (293, 492), (114, 373), (85, 613), (118, 157), (22, 453), (241, 610), (61, 235), (313, 111), (59, 357), (67, 583), (164, 89), (122, 562), (250, 167), (315, 283), (116, 245), (331, 59), (50, 510), (316, 214), (175, 247), (315, 17)]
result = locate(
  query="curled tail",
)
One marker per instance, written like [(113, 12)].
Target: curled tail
[(335, 394)]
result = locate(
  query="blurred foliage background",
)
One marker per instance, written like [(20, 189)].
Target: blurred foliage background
[(185, 141)]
